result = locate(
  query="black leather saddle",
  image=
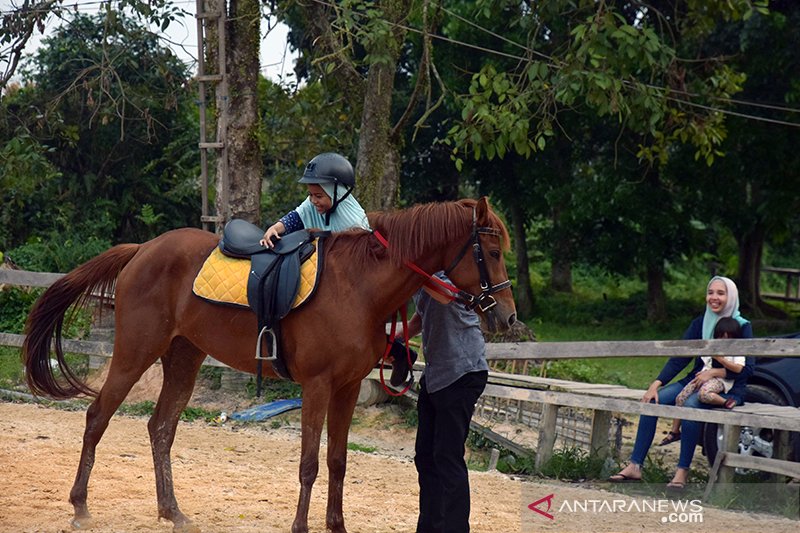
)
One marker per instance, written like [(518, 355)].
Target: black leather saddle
[(274, 278)]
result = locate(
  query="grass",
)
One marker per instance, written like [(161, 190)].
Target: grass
[(11, 375), (361, 448), (603, 307)]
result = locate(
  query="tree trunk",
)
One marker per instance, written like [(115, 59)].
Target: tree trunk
[(378, 165), (561, 266), (656, 299), (561, 263), (378, 160), (240, 172), (523, 293), (751, 246)]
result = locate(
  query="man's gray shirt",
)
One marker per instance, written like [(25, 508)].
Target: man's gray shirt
[(452, 341)]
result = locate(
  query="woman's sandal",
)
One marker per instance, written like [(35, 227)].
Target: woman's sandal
[(622, 478), (676, 486), (671, 437)]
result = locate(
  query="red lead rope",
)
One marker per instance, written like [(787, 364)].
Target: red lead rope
[(442, 287), (403, 313), (447, 290)]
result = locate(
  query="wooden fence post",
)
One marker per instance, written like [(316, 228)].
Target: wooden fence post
[(599, 442), (547, 435)]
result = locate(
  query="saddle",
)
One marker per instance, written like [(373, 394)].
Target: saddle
[(273, 281)]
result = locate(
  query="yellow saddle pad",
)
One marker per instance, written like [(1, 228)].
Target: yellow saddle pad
[(223, 279)]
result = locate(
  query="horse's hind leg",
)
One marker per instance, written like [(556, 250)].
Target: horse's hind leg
[(340, 415), (180, 366), (121, 378)]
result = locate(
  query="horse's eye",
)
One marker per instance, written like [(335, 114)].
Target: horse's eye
[(495, 254)]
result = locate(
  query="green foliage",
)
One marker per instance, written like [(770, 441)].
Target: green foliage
[(15, 303), (24, 166), (212, 376), (190, 414), (615, 64), (361, 448), (295, 126), (102, 124), (276, 390), (144, 408), (512, 464), (410, 416), (57, 252), (573, 464), (147, 407), (11, 372)]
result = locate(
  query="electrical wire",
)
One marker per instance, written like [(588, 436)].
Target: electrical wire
[(552, 61)]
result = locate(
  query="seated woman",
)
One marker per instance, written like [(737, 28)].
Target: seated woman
[(722, 300)]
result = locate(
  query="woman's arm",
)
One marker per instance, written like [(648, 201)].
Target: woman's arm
[(729, 364), (749, 361)]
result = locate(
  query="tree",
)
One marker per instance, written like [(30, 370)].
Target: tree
[(618, 62), (359, 47), (104, 104), (21, 21), (239, 170), (753, 190)]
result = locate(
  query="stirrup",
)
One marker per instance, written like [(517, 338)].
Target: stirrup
[(274, 352)]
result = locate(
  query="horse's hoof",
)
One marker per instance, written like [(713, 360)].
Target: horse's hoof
[(84, 522)]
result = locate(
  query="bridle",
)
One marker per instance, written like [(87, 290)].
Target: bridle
[(483, 301)]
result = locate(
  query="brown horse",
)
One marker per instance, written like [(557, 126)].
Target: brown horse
[(331, 343)]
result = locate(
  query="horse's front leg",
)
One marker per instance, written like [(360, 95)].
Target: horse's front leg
[(316, 395), (340, 415), (180, 367)]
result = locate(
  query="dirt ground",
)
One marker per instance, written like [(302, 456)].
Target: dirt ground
[(243, 478)]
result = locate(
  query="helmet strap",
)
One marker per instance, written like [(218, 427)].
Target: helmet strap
[(335, 202)]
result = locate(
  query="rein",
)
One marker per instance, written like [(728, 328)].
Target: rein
[(483, 301), (403, 312)]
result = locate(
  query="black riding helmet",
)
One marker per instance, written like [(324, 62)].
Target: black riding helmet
[(330, 168)]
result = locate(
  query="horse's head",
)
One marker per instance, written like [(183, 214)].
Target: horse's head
[(478, 268), (466, 240)]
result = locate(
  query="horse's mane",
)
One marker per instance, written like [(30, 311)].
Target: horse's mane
[(412, 233)]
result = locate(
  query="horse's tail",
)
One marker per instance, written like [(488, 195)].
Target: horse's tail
[(46, 321)]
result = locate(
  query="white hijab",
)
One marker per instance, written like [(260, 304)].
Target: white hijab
[(730, 309)]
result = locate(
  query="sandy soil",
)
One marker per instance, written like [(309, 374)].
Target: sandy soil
[(243, 478)]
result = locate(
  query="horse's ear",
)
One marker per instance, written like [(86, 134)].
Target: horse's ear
[(482, 211)]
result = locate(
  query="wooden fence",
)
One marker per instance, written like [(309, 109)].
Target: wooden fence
[(791, 278)]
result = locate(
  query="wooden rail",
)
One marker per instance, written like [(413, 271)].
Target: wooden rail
[(667, 348), (28, 279), (792, 277), (94, 348)]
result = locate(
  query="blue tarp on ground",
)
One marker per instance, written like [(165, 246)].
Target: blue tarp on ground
[(268, 410)]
